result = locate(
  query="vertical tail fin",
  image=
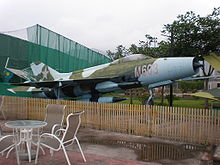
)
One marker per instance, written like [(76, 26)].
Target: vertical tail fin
[(42, 72), (36, 72), (20, 73)]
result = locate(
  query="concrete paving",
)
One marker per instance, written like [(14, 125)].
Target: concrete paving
[(95, 155), (216, 154), (108, 151), (99, 150)]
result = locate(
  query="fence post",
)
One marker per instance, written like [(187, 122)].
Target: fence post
[(183, 124), (151, 120)]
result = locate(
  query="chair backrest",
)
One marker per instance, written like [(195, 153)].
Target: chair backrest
[(1, 106), (73, 123), (54, 115), (6, 142)]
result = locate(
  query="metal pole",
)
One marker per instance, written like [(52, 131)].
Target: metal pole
[(171, 95)]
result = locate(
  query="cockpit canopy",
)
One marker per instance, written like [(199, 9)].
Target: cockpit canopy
[(132, 57)]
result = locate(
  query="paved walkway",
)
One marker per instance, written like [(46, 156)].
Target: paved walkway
[(75, 157), (98, 153)]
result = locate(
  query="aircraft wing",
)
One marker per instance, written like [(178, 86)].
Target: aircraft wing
[(213, 60), (159, 84), (200, 78), (24, 89), (210, 94), (60, 83)]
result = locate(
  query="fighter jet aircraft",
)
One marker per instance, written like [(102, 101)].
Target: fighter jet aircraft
[(90, 84)]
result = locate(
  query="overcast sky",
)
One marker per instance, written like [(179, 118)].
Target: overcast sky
[(100, 24)]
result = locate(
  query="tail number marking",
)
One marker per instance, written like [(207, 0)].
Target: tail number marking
[(146, 70)]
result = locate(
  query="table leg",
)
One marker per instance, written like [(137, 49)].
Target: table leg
[(25, 139), (16, 150), (17, 141), (28, 144)]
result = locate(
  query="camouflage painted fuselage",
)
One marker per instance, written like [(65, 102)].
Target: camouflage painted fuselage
[(124, 70), (128, 72)]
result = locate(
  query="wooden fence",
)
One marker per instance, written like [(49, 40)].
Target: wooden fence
[(179, 124)]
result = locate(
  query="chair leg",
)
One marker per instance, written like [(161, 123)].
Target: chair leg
[(77, 141), (37, 152), (7, 155), (16, 152), (42, 150), (65, 153), (51, 152)]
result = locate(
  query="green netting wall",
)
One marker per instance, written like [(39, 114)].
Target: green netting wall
[(83, 57), (48, 47), (22, 53)]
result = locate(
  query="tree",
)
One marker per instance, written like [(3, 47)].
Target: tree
[(163, 49), (190, 86), (121, 51), (147, 47), (194, 35), (190, 34), (133, 49), (110, 54)]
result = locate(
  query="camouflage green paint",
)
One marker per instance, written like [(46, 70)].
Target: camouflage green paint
[(113, 70), (44, 75)]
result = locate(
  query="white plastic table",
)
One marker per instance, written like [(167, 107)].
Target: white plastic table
[(23, 131)]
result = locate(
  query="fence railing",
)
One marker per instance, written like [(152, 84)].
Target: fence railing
[(172, 123)]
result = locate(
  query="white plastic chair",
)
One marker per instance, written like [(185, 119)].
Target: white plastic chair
[(6, 143), (55, 143), (54, 117)]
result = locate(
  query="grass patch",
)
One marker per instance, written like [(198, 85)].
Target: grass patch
[(181, 102)]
